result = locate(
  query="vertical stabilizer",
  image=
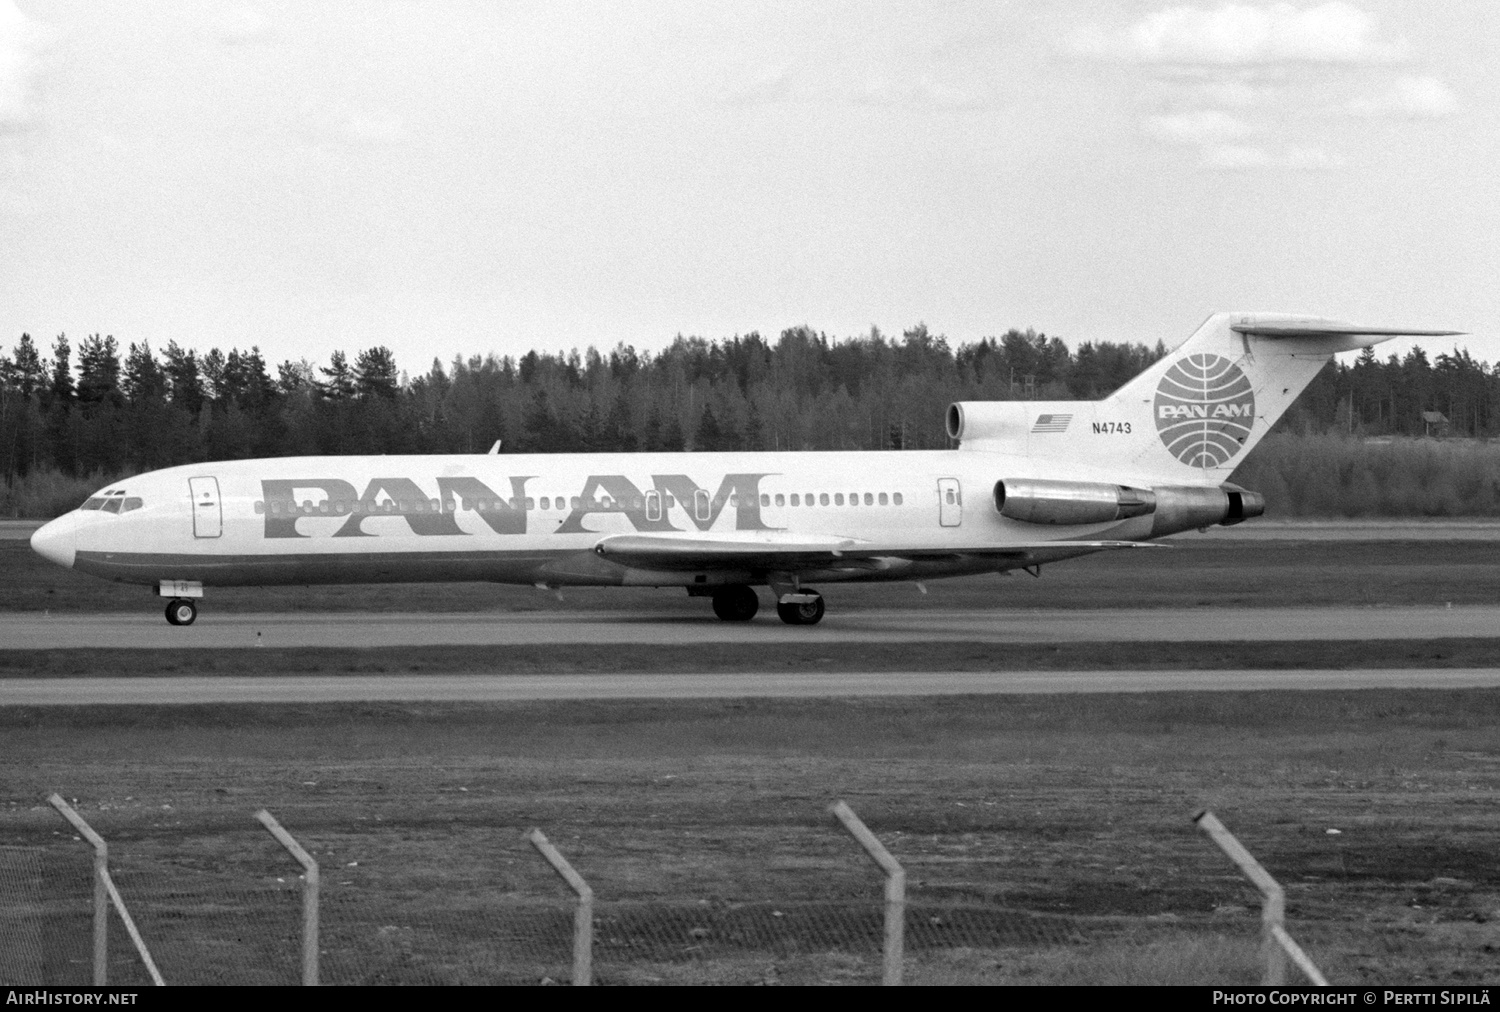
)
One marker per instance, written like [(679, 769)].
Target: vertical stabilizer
[(1192, 416)]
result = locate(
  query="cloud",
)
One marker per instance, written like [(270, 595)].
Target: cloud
[(1246, 82), (343, 125), (22, 43), (1221, 142), (769, 87), (920, 93), (375, 128), (1235, 93), (778, 85), (1408, 97), (1241, 34), (1238, 157), (244, 26), (1200, 127)]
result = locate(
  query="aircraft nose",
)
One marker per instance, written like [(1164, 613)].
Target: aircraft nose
[(55, 541)]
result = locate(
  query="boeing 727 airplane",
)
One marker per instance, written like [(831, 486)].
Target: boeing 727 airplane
[(1031, 483)]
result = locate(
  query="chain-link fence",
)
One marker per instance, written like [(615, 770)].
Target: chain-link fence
[(46, 908), (241, 921)]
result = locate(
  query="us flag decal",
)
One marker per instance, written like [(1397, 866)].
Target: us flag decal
[(1051, 423)]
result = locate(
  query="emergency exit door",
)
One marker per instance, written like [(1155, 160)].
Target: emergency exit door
[(950, 502), (208, 512)]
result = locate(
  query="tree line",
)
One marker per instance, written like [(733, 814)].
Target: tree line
[(101, 408), (69, 415)]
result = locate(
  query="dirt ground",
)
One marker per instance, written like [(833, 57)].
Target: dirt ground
[(1047, 838), (1071, 816)]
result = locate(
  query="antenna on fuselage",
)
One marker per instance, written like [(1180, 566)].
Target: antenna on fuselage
[(495, 449)]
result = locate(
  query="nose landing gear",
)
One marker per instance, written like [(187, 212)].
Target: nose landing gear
[(181, 611)]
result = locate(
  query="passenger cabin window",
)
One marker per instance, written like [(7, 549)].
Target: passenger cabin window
[(869, 499), (796, 499), (780, 499), (896, 498), (882, 499)]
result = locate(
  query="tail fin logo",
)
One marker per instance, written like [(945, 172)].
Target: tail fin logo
[(1204, 409)]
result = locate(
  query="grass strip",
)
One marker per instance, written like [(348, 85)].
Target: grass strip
[(1376, 724), (729, 657)]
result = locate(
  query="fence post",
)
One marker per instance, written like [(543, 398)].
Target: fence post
[(309, 895), (895, 890), (583, 914), (105, 893), (1276, 943)]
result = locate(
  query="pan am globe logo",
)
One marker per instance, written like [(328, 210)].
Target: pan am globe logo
[(1204, 409)]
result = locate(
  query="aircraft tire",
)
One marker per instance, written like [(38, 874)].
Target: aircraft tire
[(802, 614), (736, 603), (181, 611)]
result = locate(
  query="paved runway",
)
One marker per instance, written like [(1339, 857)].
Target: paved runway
[(149, 630), (517, 688)]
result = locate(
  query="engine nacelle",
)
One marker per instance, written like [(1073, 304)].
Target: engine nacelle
[(1037, 501), (1184, 507), (1174, 507), (982, 421)]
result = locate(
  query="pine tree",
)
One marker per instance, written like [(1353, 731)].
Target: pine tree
[(375, 374), (28, 368), (340, 382), (183, 381)]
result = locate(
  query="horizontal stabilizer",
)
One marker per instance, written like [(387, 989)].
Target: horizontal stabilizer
[(1307, 326)]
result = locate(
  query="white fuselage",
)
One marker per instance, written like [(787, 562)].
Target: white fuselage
[(539, 518)]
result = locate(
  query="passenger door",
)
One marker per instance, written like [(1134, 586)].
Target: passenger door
[(950, 502), (208, 512)]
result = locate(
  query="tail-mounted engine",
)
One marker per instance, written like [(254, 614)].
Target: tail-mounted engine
[(1173, 508), (1035, 501)]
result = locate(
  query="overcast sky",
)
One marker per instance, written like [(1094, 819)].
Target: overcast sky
[(447, 178)]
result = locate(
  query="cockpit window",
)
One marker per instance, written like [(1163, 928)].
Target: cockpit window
[(113, 500)]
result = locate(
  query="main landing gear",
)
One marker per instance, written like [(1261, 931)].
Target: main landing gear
[(739, 603), (736, 603), (181, 611), (802, 608)]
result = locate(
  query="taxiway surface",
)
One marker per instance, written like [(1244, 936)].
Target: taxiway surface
[(718, 685), (32, 631)]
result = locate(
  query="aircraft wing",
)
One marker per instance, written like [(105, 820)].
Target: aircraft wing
[(665, 551)]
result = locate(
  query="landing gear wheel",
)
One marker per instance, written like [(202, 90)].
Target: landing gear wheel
[(736, 603), (803, 612), (181, 612)]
